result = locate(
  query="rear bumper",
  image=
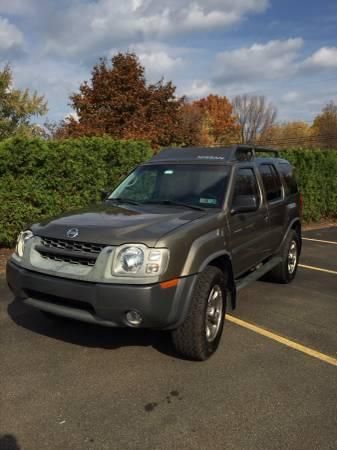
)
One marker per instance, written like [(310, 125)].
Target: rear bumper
[(102, 304)]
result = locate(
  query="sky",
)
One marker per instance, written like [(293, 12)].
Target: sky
[(283, 49)]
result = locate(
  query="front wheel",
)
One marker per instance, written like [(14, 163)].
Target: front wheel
[(199, 335)]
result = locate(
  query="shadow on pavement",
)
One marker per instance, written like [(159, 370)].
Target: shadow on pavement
[(88, 335), (8, 442)]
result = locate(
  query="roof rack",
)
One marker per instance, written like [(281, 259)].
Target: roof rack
[(248, 152)]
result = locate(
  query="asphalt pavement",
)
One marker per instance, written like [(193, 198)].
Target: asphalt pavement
[(76, 386)]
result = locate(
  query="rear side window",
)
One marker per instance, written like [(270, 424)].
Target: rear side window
[(289, 178), (271, 182), (246, 184)]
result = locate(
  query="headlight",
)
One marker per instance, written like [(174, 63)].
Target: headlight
[(140, 261), (21, 241), (130, 260)]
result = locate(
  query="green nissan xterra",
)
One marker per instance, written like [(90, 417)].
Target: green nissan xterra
[(169, 248)]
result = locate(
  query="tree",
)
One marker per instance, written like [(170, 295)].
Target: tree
[(325, 126), (254, 116), (219, 124), (18, 107), (288, 134), (190, 125), (118, 102), (208, 121)]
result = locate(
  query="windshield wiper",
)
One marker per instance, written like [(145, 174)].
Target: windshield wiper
[(123, 200), (174, 203)]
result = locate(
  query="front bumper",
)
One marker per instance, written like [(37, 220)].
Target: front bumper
[(103, 304)]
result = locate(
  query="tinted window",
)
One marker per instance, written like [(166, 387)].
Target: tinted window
[(271, 182), (245, 184), (289, 178), (199, 184)]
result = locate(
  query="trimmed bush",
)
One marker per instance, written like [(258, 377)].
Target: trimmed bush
[(39, 179), (316, 172)]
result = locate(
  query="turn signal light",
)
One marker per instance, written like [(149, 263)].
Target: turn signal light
[(170, 283)]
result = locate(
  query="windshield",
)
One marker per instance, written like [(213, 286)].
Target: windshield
[(197, 185)]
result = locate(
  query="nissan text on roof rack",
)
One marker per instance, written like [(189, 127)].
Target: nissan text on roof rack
[(169, 248)]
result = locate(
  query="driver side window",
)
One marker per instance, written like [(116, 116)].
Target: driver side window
[(245, 186)]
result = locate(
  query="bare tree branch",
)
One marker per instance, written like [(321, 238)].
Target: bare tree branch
[(254, 116)]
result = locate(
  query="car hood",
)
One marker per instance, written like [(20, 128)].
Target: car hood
[(117, 225)]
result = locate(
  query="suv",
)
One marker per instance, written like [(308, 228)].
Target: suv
[(169, 248)]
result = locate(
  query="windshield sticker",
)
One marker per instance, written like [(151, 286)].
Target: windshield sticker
[(209, 201)]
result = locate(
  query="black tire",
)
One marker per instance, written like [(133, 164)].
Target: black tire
[(190, 339), (282, 273)]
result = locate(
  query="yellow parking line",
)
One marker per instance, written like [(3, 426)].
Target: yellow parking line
[(319, 240), (282, 340), (317, 268)]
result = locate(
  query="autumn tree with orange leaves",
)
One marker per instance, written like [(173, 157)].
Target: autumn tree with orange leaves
[(288, 134), (219, 123), (208, 121), (118, 102)]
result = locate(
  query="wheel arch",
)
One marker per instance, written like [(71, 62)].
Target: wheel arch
[(294, 225), (222, 261), (297, 227)]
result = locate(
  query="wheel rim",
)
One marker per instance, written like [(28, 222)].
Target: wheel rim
[(214, 313), (292, 257)]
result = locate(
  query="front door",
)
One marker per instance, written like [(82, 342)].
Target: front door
[(248, 230)]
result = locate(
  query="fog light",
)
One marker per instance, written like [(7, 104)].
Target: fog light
[(134, 318)]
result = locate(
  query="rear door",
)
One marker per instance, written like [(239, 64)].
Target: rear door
[(247, 230), (275, 199)]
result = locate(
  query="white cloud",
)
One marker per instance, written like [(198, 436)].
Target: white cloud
[(10, 36), (158, 59), (269, 61), (324, 58), (102, 24), (196, 17), (197, 89), (16, 6), (291, 97), (50, 78)]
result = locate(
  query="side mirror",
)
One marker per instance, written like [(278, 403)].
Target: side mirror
[(104, 195), (244, 203)]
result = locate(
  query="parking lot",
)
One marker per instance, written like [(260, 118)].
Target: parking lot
[(78, 386)]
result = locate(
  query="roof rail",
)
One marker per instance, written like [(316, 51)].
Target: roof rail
[(215, 154)]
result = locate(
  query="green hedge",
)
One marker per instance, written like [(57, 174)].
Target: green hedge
[(317, 177), (44, 178)]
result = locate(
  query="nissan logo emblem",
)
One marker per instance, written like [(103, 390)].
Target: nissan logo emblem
[(72, 233)]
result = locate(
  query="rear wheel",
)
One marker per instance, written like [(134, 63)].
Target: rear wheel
[(199, 335), (286, 270)]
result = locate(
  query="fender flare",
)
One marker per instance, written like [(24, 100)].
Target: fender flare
[(290, 227), (229, 270)]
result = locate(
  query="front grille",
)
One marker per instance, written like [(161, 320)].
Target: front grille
[(72, 245), (72, 252)]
